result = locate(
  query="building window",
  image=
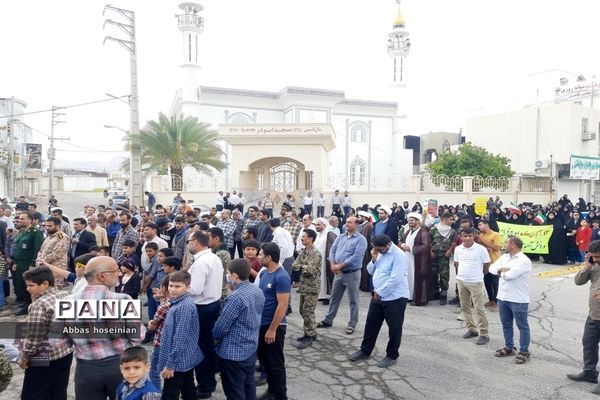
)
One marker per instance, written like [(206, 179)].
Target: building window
[(240, 119), (359, 132), (189, 47), (308, 176), (358, 172), (259, 176), (284, 177), (584, 125)]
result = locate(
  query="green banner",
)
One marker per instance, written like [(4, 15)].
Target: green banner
[(535, 238)]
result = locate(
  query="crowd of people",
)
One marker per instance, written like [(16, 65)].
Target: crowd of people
[(217, 285)]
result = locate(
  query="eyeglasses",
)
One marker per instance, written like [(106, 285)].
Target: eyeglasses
[(190, 240)]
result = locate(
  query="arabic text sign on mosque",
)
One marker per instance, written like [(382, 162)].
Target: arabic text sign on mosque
[(274, 130), (585, 167)]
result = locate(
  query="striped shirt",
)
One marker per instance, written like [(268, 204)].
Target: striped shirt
[(237, 328), (228, 228), (122, 236), (160, 316)]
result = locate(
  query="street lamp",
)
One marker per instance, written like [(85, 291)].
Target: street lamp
[(116, 127)]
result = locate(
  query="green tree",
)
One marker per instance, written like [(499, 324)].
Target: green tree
[(175, 142), (470, 160)]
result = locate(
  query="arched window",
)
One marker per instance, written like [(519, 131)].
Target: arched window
[(259, 175), (284, 177), (358, 172), (359, 132), (240, 119)]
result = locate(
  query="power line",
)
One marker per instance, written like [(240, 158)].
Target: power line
[(87, 149), (71, 106)]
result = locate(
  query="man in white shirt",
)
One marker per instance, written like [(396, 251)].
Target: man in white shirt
[(513, 268), (283, 238), (336, 201), (320, 206), (234, 199), (151, 235), (219, 203), (307, 220), (241, 203), (205, 289), (308, 203), (472, 261), (346, 203)]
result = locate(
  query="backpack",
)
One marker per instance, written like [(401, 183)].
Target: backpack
[(6, 372)]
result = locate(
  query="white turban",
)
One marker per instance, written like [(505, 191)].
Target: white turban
[(415, 215), (323, 221), (387, 209), (365, 214)]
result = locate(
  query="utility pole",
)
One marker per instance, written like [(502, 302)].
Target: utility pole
[(135, 158), (51, 151), (11, 151)]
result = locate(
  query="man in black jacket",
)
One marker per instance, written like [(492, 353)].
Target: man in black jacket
[(81, 241), (386, 225)]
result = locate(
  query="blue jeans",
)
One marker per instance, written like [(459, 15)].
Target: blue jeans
[(1, 293), (510, 311), (152, 304), (154, 374)]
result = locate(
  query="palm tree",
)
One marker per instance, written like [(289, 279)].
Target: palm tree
[(175, 142)]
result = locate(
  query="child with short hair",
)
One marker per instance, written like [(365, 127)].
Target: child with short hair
[(150, 270), (169, 265), (179, 350), (104, 251), (251, 248), (128, 252), (134, 368), (583, 237), (156, 325)]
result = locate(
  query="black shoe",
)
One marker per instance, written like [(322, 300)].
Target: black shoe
[(386, 362), (323, 324), (583, 377), (358, 355), (455, 300), (289, 311), (470, 334), (203, 395), (149, 337), (261, 380), (305, 343), (481, 340), (22, 311), (265, 396), (443, 300), (325, 301)]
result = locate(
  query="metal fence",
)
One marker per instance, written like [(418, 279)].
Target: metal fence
[(196, 183)]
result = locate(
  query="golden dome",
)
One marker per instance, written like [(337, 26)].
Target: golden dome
[(399, 21)]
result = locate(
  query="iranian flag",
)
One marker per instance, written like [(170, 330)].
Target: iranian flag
[(540, 219), (512, 207), (375, 217)]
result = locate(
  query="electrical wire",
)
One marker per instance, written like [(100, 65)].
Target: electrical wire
[(65, 107)]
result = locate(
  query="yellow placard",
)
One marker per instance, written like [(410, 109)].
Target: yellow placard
[(480, 205), (535, 238)]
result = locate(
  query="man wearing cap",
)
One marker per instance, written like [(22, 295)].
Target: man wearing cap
[(390, 295), (386, 225), (417, 246)]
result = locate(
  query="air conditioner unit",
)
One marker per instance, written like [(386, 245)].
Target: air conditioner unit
[(588, 136), (542, 164)]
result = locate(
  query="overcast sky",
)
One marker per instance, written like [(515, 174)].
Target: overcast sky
[(466, 55)]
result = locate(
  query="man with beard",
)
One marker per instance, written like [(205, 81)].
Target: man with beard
[(417, 246), (251, 219), (442, 236), (365, 228), (28, 243), (126, 232), (265, 233), (54, 249), (323, 243), (385, 225), (166, 230), (98, 231)]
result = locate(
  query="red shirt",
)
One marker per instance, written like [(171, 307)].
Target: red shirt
[(583, 238), (254, 264)]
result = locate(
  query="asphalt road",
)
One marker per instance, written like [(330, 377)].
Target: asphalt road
[(435, 362)]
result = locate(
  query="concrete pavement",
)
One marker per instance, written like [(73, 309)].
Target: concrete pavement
[(435, 362)]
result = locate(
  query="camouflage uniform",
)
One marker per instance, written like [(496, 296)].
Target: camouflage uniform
[(309, 265), (440, 264), (27, 246), (225, 257)]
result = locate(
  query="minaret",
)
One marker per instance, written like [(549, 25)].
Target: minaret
[(191, 26), (398, 49)]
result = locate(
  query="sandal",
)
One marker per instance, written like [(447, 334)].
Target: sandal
[(522, 357), (505, 351), (349, 330)]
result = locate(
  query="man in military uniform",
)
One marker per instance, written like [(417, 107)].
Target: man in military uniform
[(28, 244), (308, 264), (442, 236)]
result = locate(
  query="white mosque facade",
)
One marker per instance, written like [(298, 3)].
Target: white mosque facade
[(297, 139)]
